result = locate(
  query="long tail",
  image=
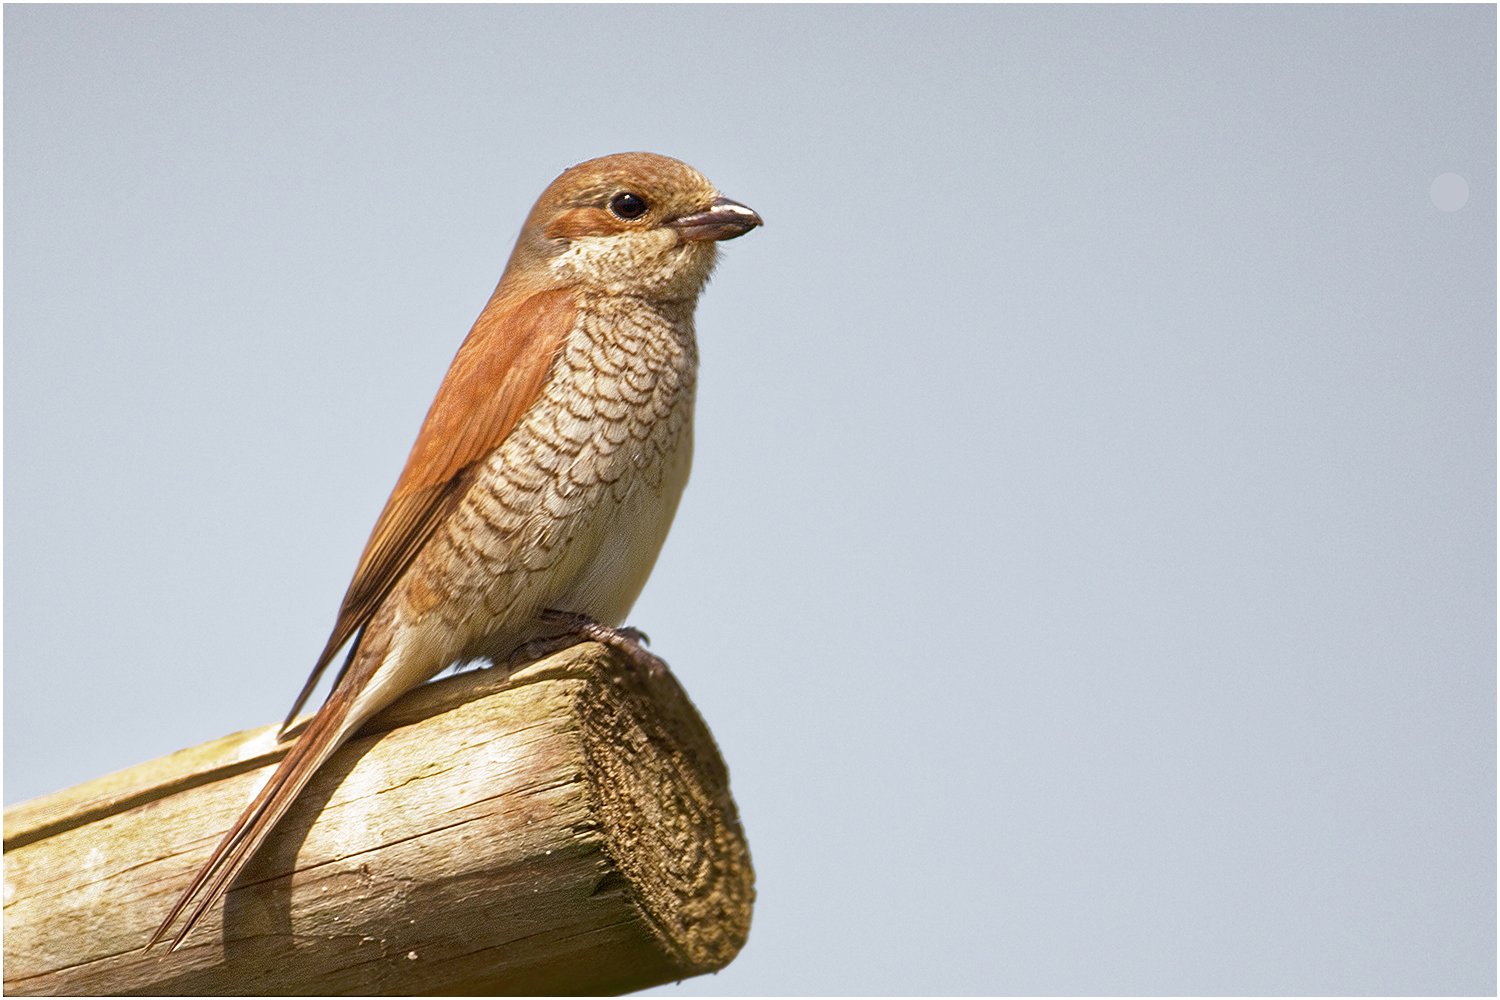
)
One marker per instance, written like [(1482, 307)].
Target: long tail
[(324, 734)]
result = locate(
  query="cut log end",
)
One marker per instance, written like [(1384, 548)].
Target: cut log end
[(566, 830)]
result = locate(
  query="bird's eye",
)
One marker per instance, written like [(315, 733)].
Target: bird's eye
[(628, 205)]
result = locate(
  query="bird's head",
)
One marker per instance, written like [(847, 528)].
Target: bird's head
[(631, 223)]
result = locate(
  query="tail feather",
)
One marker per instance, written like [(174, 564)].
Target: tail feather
[(325, 734)]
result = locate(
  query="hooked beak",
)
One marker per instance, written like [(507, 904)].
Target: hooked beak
[(722, 220)]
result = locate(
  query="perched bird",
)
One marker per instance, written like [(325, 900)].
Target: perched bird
[(545, 477)]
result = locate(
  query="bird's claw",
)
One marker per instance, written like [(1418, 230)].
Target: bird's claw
[(635, 635), (627, 639)]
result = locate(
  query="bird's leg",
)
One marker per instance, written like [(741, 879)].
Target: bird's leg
[(581, 628)]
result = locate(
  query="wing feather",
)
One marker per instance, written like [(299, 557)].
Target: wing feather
[(496, 376)]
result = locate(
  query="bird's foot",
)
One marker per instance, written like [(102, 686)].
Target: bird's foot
[(581, 628)]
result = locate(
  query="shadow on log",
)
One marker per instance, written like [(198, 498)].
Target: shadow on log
[(569, 831)]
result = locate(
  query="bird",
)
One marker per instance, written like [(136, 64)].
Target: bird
[(544, 478)]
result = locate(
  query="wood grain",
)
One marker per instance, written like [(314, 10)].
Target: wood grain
[(569, 830)]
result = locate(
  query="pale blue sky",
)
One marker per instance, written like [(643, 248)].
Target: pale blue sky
[(1088, 569)]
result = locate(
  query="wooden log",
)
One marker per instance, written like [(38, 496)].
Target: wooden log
[(568, 830)]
